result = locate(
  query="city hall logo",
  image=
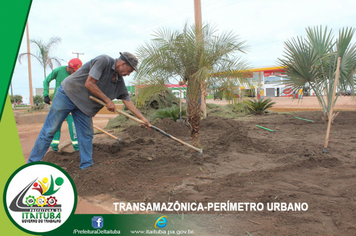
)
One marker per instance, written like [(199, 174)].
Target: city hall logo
[(39, 197)]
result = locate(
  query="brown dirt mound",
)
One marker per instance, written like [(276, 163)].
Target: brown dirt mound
[(167, 125), (241, 163)]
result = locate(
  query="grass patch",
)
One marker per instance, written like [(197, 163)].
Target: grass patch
[(40, 107)]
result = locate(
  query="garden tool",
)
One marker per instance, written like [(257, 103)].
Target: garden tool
[(153, 127), (112, 136)]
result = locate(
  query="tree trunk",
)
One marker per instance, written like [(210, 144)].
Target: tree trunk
[(203, 96), (194, 121), (326, 116)]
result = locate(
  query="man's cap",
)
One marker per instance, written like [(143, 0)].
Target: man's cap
[(130, 59), (75, 63)]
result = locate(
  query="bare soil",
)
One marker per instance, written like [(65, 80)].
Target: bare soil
[(241, 163)]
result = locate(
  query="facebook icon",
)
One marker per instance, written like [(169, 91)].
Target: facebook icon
[(97, 222)]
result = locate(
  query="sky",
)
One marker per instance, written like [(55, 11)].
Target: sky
[(95, 27)]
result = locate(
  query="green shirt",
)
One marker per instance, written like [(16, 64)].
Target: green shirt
[(59, 74)]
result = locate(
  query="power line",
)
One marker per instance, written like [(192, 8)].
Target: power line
[(78, 53)]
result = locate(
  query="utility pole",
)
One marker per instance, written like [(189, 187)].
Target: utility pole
[(78, 53), (12, 92), (29, 65), (198, 26)]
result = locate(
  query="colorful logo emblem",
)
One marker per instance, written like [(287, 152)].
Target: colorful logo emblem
[(97, 222), (161, 222), (39, 197)]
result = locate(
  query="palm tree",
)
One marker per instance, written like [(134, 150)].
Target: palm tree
[(43, 54), (312, 62), (229, 83), (177, 54)]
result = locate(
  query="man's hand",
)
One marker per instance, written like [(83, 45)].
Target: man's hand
[(47, 100), (131, 106), (146, 121), (110, 105), (90, 84)]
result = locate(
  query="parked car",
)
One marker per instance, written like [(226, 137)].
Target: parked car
[(346, 93), (217, 95)]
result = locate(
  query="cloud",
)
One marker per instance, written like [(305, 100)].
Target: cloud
[(97, 27)]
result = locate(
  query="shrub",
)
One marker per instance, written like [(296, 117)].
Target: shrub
[(259, 106), (16, 98), (172, 112), (154, 97), (37, 99)]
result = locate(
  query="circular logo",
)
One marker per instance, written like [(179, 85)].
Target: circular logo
[(39, 197)]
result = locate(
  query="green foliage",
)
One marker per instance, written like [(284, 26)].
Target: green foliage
[(312, 62), (178, 54), (210, 96), (239, 107), (37, 99), (121, 122), (40, 107), (16, 98), (163, 98), (189, 55), (154, 97), (17, 106), (35, 108), (259, 106), (43, 53), (229, 84), (173, 113)]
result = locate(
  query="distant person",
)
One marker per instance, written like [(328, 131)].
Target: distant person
[(59, 74), (301, 93), (101, 77)]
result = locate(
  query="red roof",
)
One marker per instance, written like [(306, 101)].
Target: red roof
[(176, 86)]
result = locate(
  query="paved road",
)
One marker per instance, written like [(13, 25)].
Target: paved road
[(306, 103)]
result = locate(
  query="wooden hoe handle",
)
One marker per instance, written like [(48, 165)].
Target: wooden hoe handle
[(153, 127)]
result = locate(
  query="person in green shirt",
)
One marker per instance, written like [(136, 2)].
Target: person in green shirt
[(59, 74)]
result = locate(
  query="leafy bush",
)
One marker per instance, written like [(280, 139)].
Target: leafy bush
[(154, 97), (259, 106), (37, 99), (121, 122), (37, 108), (16, 98), (172, 112)]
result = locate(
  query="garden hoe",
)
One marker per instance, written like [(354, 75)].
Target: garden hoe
[(153, 127), (112, 136)]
